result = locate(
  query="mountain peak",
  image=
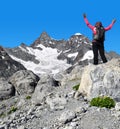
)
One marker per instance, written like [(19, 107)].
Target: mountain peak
[(44, 36)]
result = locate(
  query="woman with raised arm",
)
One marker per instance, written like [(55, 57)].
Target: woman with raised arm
[(98, 38)]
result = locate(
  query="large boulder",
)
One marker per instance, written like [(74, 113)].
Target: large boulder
[(44, 88), (103, 79), (24, 81), (6, 89)]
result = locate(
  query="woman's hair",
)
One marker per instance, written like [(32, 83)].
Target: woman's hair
[(98, 24)]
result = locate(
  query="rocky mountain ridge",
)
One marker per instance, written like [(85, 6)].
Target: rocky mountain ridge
[(46, 50), (77, 50)]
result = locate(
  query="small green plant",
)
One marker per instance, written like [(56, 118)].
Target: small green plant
[(76, 87), (28, 97), (103, 101), (12, 109)]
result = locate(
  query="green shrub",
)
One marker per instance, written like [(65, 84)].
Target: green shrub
[(12, 109), (76, 87), (28, 97), (103, 101)]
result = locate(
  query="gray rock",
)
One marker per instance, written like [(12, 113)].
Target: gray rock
[(117, 106), (24, 81), (43, 89), (2, 126), (6, 89), (99, 119), (67, 116), (59, 76), (21, 127), (56, 102), (101, 80), (73, 78), (68, 127)]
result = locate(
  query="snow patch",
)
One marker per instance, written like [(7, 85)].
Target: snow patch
[(41, 46), (77, 34), (88, 55), (73, 54)]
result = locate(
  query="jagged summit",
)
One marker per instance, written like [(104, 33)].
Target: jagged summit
[(45, 36)]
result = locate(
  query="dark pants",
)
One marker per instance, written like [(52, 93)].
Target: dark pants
[(99, 47)]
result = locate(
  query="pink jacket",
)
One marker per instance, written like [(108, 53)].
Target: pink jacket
[(93, 27)]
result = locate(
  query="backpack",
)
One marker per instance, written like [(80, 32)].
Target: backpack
[(100, 36)]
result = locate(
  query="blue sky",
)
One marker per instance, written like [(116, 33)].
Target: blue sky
[(22, 21)]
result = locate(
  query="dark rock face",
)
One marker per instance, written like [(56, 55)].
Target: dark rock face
[(8, 66), (22, 53)]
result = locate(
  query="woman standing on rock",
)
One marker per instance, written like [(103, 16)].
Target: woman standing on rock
[(98, 38)]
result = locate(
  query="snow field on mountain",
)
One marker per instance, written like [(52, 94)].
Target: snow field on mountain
[(47, 58)]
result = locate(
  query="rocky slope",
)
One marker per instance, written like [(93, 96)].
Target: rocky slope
[(8, 66), (44, 98), (54, 104)]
